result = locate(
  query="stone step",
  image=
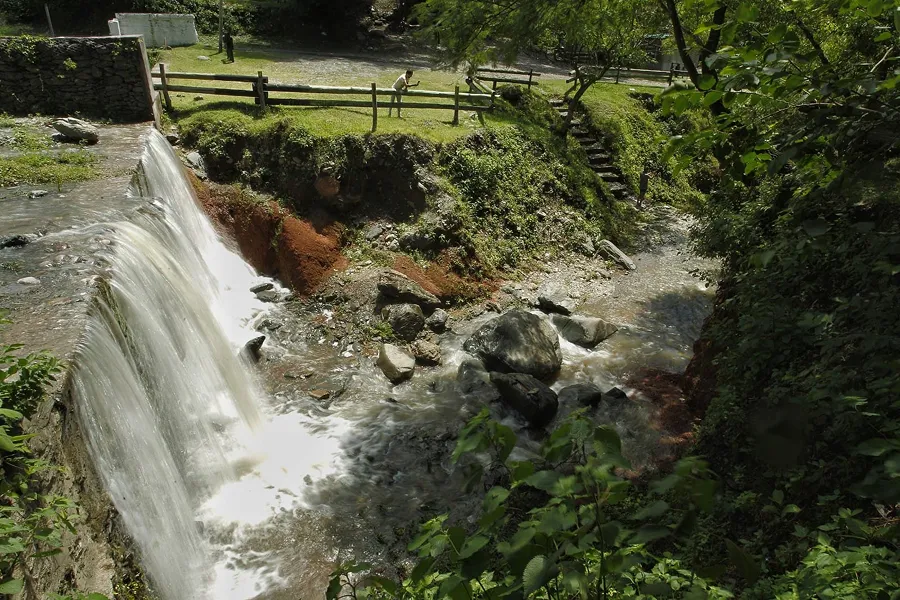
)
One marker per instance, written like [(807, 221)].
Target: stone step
[(597, 153), (618, 190), (601, 166)]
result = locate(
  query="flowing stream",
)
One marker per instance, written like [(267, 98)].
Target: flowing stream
[(232, 492)]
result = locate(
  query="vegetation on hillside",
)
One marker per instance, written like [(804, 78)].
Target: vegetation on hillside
[(795, 492)]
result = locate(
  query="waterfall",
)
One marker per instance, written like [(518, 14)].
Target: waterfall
[(160, 392)]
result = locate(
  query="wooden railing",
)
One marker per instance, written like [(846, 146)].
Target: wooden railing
[(507, 76), (261, 90), (618, 73)]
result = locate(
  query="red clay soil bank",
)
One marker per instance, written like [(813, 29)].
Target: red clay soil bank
[(671, 415), (439, 279), (271, 239)]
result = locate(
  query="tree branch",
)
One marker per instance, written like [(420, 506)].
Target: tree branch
[(812, 40)]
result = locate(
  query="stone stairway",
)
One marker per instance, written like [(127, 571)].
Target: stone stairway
[(598, 154)]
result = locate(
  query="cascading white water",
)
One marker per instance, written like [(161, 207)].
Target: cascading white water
[(160, 391)]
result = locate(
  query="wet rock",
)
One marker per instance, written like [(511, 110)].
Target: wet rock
[(427, 353), (585, 394), (262, 287), (251, 349), (77, 130), (15, 241), (396, 363), (437, 322), (29, 281), (374, 232), (517, 342), (586, 332), (399, 287), (270, 324), (173, 138), (406, 320), (320, 394), (474, 382), (552, 300), (527, 396), (617, 394), (195, 160), (616, 255), (268, 296), (37, 194)]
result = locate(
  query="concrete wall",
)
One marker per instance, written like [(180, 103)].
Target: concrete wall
[(159, 30), (106, 78)]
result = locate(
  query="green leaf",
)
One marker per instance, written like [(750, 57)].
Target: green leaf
[(712, 97), (654, 510), (473, 545), (815, 227), (778, 497), (6, 443), (421, 569), (12, 586), (743, 562), (656, 589), (11, 414), (457, 536), (388, 585), (883, 37), (649, 533), (790, 509), (536, 574), (706, 82), (449, 586), (544, 480), (522, 470), (609, 440), (876, 447)]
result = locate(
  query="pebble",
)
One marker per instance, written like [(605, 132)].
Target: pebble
[(320, 394), (201, 57), (29, 281)]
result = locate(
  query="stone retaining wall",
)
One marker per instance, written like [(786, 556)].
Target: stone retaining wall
[(96, 77), (159, 30)]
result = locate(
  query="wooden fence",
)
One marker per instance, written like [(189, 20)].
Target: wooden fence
[(507, 76), (618, 73), (261, 90)]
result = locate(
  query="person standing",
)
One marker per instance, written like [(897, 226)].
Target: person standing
[(400, 86), (645, 182), (229, 46)]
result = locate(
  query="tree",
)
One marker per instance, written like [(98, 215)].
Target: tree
[(594, 35)]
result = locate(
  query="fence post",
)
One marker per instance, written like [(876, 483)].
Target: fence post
[(618, 72), (374, 108), (456, 107), (261, 89), (671, 73), (530, 77), (165, 86)]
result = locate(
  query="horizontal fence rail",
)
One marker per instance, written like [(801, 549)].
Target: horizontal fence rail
[(261, 89), (618, 73), (496, 76)]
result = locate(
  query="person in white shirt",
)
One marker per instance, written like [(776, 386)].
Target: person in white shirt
[(401, 85)]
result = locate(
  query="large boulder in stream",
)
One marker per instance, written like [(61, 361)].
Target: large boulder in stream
[(474, 383), (584, 331), (612, 251), (585, 394), (397, 364), (527, 396), (77, 130), (517, 342), (406, 320)]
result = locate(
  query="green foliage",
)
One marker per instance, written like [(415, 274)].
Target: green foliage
[(48, 167)]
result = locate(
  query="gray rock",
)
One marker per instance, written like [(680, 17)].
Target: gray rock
[(617, 394), (173, 138), (587, 248), (474, 383), (585, 394), (527, 396), (584, 331), (400, 288), (406, 320), (553, 300), (426, 353), (76, 129), (29, 281), (396, 363), (437, 322), (270, 324), (202, 57), (517, 342), (37, 194), (195, 160), (262, 287), (616, 255), (251, 349), (374, 232), (15, 241), (417, 240), (268, 296)]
